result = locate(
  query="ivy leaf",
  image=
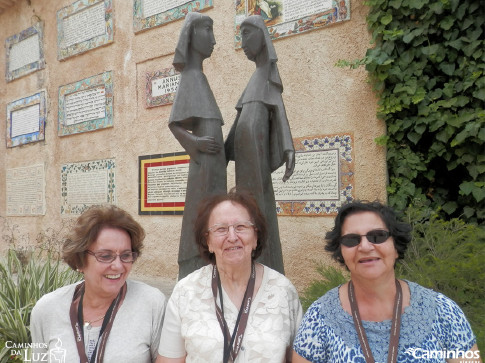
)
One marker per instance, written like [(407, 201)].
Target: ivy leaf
[(480, 94), (386, 19), (447, 22), (450, 207)]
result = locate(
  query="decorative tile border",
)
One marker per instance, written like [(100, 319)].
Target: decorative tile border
[(87, 183), (34, 34), (32, 133), (338, 11), (141, 23), (167, 80), (103, 81), (167, 170), (68, 50), (342, 147)]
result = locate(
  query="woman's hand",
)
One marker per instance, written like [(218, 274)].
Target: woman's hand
[(208, 144), (290, 164)]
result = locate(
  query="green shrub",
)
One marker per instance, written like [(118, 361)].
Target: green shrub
[(21, 285), (448, 256)]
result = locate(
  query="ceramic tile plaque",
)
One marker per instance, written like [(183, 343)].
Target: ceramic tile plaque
[(151, 13), (87, 183), (86, 105), (26, 191), (26, 119), (323, 178), (289, 17), (25, 52), (162, 183), (161, 87), (82, 26)]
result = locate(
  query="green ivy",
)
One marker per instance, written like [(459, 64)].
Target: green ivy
[(428, 67)]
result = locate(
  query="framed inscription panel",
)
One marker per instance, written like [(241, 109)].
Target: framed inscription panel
[(162, 183), (25, 52), (86, 105), (289, 17), (87, 183), (323, 178), (161, 87), (26, 119), (151, 13), (26, 191), (82, 26)]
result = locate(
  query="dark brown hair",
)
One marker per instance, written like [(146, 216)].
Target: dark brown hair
[(89, 225), (243, 198)]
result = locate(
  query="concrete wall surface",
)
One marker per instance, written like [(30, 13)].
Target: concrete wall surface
[(320, 98)]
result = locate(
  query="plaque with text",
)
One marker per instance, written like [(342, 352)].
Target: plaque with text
[(162, 183), (323, 178), (87, 183), (26, 191), (82, 26), (161, 87), (26, 119), (289, 17), (25, 52), (86, 105), (151, 13)]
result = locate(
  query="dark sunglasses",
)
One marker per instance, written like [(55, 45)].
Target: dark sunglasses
[(375, 236)]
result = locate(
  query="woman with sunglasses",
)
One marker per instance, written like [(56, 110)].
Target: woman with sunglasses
[(234, 309), (375, 317), (105, 317)]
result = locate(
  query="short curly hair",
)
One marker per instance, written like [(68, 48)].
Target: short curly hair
[(240, 197), (89, 225), (400, 231)]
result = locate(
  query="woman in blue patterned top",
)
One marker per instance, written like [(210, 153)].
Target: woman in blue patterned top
[(375, 317)]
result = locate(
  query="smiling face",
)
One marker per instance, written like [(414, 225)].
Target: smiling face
[(252, 41), (232, 249), (367, 260), (106, 279), (202, 38)]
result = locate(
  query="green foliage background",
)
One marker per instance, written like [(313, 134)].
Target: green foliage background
[(428, 66)]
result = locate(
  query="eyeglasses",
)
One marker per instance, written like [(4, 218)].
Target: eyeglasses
[(239, 227), (375, 236), (110, 256)]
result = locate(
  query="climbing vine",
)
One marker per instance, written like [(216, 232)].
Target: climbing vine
[(428, 66)]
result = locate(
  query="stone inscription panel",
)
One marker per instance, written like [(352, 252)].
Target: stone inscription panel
[(161, 87), (26, 191), (82, 26), (289, 17), (26, 120), (86, 105), (87, 183), (25, 52), (162, 182), (323, 178)]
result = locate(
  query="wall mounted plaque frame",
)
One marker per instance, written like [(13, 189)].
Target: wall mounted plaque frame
[(25, 52), (161, 87)]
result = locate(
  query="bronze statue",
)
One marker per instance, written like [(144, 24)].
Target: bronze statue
[(196, 122), (260, 138)]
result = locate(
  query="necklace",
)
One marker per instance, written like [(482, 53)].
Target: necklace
[(87, 324)]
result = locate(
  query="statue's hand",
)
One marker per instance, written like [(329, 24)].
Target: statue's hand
[(207, 144), (290, 164)]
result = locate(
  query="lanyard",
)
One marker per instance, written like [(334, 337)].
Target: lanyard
[(242, 317), (76, 315), (395, 326)]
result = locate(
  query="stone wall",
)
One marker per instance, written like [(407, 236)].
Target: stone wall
[(319, 97)]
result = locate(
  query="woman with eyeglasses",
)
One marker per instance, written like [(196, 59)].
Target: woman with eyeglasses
[(375, 317), (234, 309), (105, 317)]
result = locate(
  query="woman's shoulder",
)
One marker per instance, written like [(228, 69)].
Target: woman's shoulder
[(144, 290), (57, 298), (276, 278)]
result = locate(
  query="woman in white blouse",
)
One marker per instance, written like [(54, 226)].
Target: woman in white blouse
[(233, 309)]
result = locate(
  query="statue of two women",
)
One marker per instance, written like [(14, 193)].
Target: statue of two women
[(259, 141)]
